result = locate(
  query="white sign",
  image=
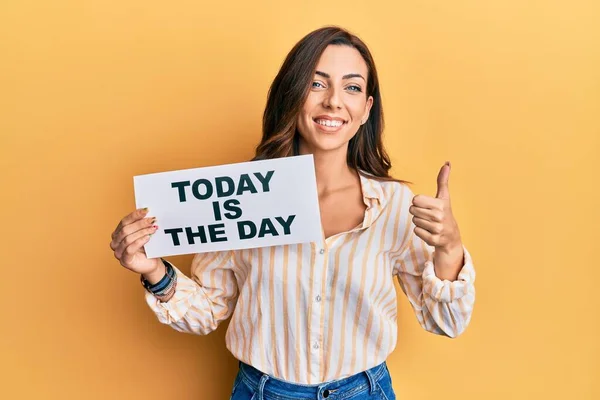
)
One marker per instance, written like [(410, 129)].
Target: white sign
[(235, 206)]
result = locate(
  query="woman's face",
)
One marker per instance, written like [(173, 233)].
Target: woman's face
[(337, 104)]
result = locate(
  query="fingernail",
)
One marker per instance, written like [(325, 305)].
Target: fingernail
[(153, 220), (145, 209), (155, 226)]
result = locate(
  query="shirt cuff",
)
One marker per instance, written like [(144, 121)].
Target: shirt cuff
[(446, 291), (187, 292)]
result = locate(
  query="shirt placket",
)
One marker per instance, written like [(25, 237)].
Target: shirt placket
[(317, 333), (323, 273)]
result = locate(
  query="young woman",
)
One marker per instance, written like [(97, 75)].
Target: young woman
[(318, 320)]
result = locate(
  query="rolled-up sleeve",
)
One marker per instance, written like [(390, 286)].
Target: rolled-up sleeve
[(202, 302), (442, 307)]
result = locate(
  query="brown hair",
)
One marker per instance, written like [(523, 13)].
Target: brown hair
[(288, 93)]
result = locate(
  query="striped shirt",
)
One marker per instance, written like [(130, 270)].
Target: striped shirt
[(313, 312)]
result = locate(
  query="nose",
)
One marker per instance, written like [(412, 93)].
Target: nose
[(332, 99)]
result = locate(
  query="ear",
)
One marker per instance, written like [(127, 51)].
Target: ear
[(368, 106)]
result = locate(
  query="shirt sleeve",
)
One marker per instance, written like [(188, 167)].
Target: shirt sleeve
[(441, 306), (202, 302)]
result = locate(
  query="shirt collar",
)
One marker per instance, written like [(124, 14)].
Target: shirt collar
[(371, 187)]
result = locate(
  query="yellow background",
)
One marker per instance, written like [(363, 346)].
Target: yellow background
[(95, 92)]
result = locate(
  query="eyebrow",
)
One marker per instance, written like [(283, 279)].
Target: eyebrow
[(348, 76)]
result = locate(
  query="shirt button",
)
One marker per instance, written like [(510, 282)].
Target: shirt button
[(316, 345), (318, 298), (322, 251)]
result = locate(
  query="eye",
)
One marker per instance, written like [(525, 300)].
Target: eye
[(354, 88), (316, 83)]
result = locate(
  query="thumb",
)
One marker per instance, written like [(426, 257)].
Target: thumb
[(442, 182)]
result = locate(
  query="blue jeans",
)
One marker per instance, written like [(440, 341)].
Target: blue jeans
[(252, 384)]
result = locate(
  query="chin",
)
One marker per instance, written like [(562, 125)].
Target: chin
[(326, 144)]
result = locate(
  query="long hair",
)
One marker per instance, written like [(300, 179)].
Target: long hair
[(290, 89)]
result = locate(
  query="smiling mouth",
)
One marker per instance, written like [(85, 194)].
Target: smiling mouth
[(329, 123)]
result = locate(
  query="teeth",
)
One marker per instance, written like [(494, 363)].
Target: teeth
[(327, 122)]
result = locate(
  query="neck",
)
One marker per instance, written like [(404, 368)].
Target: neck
[(332, 171)]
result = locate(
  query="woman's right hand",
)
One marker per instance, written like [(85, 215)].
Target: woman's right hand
[(128, 241)]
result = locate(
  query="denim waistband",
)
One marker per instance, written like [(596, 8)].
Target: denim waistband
[(267, 385)]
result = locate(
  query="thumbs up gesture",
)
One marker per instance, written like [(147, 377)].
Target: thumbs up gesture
[(435, 224)]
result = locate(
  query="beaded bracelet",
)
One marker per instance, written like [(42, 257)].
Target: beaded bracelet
[(166, 295), (164, 284), (167, 287)]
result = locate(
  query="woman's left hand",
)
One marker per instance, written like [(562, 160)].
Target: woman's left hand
[(436, 225)]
